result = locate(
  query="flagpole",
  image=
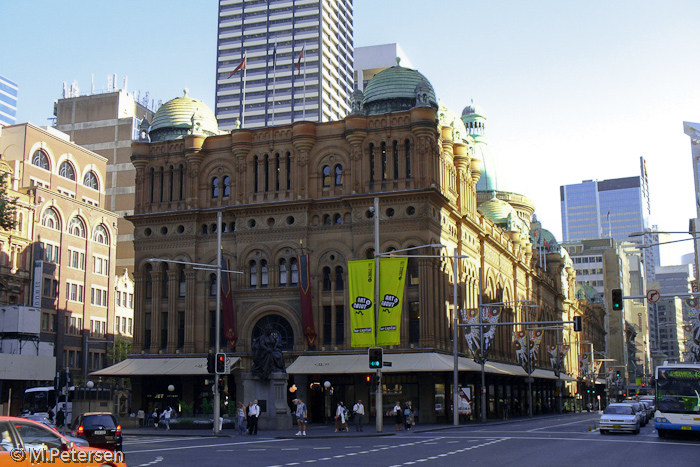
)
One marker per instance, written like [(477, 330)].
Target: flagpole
[(245, 70)]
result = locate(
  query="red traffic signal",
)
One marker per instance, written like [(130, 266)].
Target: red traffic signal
[(368, 380), (220, 363)]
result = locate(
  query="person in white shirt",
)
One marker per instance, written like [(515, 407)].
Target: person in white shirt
[(301, 417), (359, 411), (253, 414), (166, 417)]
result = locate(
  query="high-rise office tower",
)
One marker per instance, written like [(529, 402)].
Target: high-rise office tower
[(282, 61), (8, 101)]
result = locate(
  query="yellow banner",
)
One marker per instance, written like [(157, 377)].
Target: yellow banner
[(392, 277), (361, 295)]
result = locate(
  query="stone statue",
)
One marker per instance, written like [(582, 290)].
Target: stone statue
[(267, 355)]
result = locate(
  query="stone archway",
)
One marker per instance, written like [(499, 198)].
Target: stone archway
[(281, 330)]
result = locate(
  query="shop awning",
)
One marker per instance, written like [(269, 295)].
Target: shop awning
[(159, 366), (400, 363)]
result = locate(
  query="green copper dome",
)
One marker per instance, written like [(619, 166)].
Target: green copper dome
[(497, 210), (398, 89), (183, 116)]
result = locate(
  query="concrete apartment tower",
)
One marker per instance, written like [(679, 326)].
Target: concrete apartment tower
[(282, 61), (106, 123)]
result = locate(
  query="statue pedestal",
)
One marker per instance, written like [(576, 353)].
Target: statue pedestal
[(272, 399)]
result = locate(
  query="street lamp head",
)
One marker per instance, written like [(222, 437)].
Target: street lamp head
[(171, 388), (90, 384), (327, 384)]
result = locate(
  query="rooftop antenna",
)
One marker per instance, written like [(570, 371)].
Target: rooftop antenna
[(125, 84), (64, 89), (114, 81)]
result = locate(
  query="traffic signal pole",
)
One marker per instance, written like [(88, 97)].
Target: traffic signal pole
[(379, 403)]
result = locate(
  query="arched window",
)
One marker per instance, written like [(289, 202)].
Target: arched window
[(326, 219), (326, 278), (212, 284), (153, 184), (338, 175), (76, 227), (412, 271), (148, 284), (371, 163), (215, 188), (181, 280), (326, 176), (295, 271), (182, 182), (170, 185), (288, 167), (162, 183), (396, 160), (264, 274), (282, 272), (40, 159), (100, 235), (277, 172), (256, 171), (90, 180), (339, 283), (253, 274), (278, 327), (227, 186), (337, 219), (50, 219), (267, 173), (408, 159), (383, 161), (164, 281)]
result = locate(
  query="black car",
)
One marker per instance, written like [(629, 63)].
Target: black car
[(100, 429)]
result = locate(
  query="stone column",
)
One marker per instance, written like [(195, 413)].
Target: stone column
[(156, 280), (173, 295), (139, 327)]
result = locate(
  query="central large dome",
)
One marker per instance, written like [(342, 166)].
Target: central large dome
[(182, 116), (395, 89)]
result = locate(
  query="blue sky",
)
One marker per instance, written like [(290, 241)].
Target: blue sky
[(572, 90)]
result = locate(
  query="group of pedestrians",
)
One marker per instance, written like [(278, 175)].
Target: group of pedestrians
[(404, 417), (248, 417), (163, 417)]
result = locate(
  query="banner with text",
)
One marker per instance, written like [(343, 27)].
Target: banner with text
[(361, 295), (392, 277)]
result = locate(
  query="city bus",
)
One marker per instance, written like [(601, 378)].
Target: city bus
[(677, 398)]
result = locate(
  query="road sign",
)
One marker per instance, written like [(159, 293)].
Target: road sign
[(692, 302), (653, 296), (694, 285)]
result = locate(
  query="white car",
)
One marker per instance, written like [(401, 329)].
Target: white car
[(622, 417)]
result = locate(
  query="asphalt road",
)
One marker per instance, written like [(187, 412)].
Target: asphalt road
[(554, 441)]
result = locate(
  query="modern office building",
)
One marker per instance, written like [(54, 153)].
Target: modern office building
[(72, 245), (283, 61), (8, 101), (106, 123), (673, 312), (372, 59)]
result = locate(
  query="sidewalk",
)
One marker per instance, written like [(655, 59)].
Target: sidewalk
[(327, 431)]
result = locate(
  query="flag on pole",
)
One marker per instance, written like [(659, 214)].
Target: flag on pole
[(301, 55), (274, 55), (241, 66)]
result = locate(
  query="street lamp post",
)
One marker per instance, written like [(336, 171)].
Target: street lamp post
[(217, 320), (89, 385)]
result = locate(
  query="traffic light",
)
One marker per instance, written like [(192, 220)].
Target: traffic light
[(616, 295), (375, 357), (617, 374), (578, 323), (221, 386), (368, 380), (210, 364), (220, 363)]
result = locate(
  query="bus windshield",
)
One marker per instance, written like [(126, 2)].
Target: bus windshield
[(38, 400), (678, 390)]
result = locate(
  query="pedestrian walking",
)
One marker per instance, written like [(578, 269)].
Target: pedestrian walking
[(359, 413), (253, 414), (408, 416), (505, 408), (60, 419), (141, 415), (156, 418), (166, 417), (301, 417), (340, 418), (398, 415), (241, 412)]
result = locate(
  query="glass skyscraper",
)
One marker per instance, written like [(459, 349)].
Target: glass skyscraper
[(8, 101), (282, 61)]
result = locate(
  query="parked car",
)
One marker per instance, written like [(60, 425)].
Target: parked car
[(30, 435), (41, 419), (100, 429), (649, 408), (619, 416)]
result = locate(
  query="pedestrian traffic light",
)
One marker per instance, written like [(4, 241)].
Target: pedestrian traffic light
[(220, 363), (617, 374), (368, 380), (375, 357), (221, 386), (211, 367), (616, 295), (578, 323)]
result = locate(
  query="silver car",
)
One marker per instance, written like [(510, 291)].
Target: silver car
[(619, 416)]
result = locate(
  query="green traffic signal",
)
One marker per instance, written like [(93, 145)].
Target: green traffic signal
[(616, 295), (375, 357)]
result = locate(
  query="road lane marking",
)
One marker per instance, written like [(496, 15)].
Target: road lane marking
[(560, 424), (221, 445)]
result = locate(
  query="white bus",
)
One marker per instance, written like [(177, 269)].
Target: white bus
[(677, 398), (42, 400)]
